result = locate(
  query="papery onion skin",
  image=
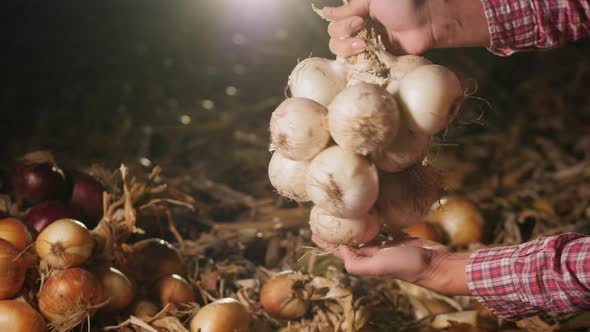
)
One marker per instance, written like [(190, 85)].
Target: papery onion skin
[(152, 259), (460, 218), (317, 79), (299, 129), (43, 214), (406, 196), (71, 291), (225, 315), (288, 177), (117, 289), (12, 270), (175, 289), (37, 182), (87, 198), (407, 149), (431, 96), (343, 184), (64, 243), (16, 316), (15, 232), (282, 297), (336, 231), (363, 118)]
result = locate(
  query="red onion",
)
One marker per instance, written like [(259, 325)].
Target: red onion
[(87, 197), (43, 214), (32, 183)]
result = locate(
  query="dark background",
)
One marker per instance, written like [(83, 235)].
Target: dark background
[(190, 85)]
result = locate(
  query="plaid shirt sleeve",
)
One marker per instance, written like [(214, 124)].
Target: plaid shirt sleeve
[(550, 274), (518, 25)]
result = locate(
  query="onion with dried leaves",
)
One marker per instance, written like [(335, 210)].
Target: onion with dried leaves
[(16, 316), (12, 270), (223, 315), (175, 289), (283, 296), (15, 232), (64, 243)]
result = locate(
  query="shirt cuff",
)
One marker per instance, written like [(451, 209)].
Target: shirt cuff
[(512, 25)]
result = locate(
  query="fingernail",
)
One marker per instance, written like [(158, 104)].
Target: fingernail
[(358, 45), (356, 23)]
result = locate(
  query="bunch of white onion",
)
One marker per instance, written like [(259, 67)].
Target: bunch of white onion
[(381, 122)]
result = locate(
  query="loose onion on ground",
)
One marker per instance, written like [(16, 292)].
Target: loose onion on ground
[(408, 148), (460, 218), (15, 232), (288, 177), (341, 183), (116, 288), (175, 289), (64, 243), (12, 270), (298, 128), (69, 297), (363, 118), (283, 296), (318, 79), (431, 96), (223, 315), (336, 231), (406, 196), (20, 317)]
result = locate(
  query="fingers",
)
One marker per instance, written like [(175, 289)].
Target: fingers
[(345, 27), (359, 264), (354, 8), (347, 47)]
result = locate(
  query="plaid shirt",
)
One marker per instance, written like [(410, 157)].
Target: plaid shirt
[(517, 25), (550, 274)]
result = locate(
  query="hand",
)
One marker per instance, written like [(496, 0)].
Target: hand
[(421, 262), (408, 26)]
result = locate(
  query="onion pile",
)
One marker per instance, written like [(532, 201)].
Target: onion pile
[(381, 112)]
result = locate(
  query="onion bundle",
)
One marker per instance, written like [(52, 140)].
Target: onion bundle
[(381, 112)]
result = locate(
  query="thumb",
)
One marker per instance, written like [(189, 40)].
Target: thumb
[(354, 8)]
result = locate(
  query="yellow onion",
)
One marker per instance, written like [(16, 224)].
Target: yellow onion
[(15, 232), (152, 259), (175, 289), (426, 231), (283, 296), (460, 218), (69, 297), (64, 243), (225, 315), (117, 289), (16, 316), (12, 270)]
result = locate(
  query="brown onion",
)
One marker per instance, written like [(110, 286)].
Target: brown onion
[(426, 231), (145, 309), (65, 243), (69, 297), (15, 232), (175, 289), (117, 289), (225, 315), (282, 296), (16, 316), (152, 259), (460, 218), (406, 196), (12, 270)]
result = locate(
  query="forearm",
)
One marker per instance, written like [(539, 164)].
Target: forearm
[(459, 23), (448, 275)]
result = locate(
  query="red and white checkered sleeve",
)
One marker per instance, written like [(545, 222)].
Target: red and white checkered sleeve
[(519, 25), (550, 274)]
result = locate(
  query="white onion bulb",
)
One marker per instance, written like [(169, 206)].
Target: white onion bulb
[(298, 128), (363, 118), (350, 231), (318, 79), (406, 196), (431, 96), (402, 66), (341, 183), (408, 148), (288, 177)]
